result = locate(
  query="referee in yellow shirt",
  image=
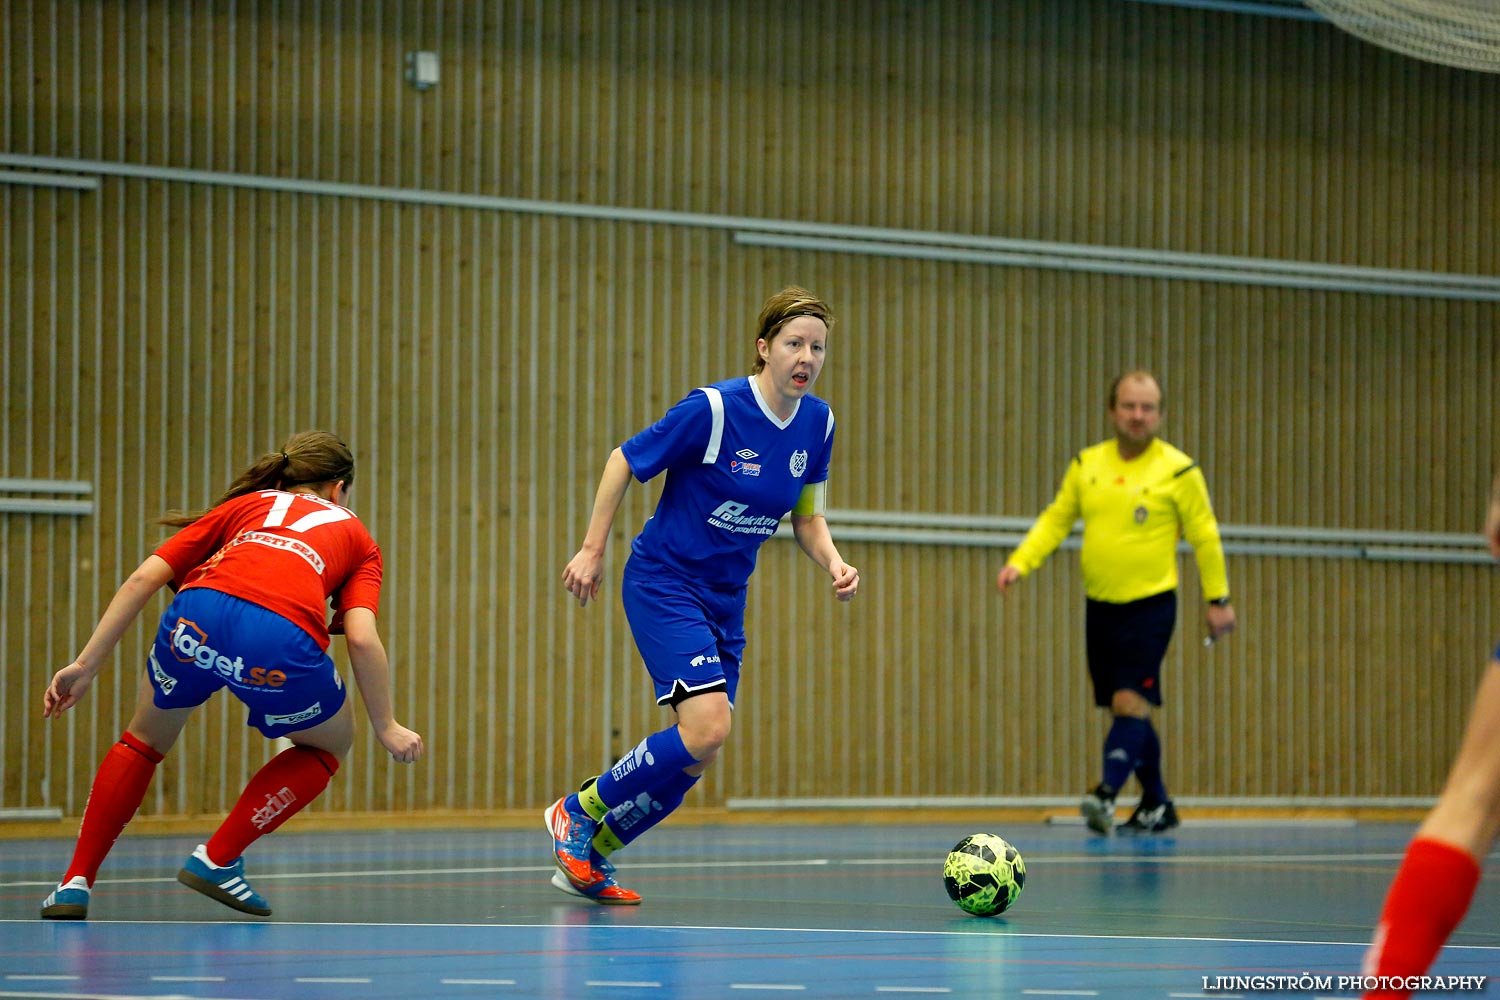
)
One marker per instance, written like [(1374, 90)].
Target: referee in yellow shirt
[(1136, 495)]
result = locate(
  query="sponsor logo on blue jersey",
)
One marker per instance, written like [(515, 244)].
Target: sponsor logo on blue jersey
[(730, 516)]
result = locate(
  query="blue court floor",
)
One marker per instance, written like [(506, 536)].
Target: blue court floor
[(733, 911)]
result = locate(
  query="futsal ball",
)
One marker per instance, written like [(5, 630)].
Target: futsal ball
[(984, 875)]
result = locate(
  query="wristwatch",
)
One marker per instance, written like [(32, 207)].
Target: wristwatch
[(1220, 602)]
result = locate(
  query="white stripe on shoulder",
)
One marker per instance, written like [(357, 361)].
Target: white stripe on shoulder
[(716, 430), (829, 432)]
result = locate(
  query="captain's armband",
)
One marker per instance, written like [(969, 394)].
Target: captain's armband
[(814, 499)]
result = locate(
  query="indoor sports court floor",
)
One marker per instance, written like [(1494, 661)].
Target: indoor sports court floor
[(731, 911)]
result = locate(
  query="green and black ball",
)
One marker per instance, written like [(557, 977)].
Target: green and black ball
[(984, 875)]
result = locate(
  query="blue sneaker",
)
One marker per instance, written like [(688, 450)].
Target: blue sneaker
[(226, 884), (69, 901), (572, 842)]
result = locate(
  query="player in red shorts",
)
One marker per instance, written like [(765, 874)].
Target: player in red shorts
[(253, 578)]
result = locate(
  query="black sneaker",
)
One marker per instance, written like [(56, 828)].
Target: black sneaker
[(1098, 809), (1150, 819)]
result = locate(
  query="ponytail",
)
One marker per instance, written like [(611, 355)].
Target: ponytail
[(308, 457)]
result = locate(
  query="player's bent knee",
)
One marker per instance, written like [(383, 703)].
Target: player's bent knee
[(330, 761), (703, 733), (335, 737), (704, 741), (703, 722)]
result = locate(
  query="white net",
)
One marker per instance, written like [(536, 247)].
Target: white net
[(1463, 33)]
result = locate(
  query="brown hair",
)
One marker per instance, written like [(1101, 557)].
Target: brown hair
[(308, 457), (1136, 375), (783, 307)]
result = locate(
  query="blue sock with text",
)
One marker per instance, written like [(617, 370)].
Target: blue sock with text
[(630, 819), (654, 761)]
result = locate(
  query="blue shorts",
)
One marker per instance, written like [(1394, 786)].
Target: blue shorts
[(691, 637), (1126, 644), (208, 640)]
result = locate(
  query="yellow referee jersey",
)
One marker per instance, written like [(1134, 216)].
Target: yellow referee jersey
[(1133, 514)]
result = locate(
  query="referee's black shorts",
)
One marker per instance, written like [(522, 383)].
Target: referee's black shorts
[(1126, 644)]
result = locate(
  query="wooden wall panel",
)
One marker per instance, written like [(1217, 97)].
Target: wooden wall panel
[(159, 333)]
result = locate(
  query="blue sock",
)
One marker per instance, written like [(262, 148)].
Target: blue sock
[(654, 761), (1122, 749), (1148, 771), (629, 820)]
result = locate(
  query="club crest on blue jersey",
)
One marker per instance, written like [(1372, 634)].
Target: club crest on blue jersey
[(799, 463)]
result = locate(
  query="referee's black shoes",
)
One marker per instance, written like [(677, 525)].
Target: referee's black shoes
[(1150, 819)]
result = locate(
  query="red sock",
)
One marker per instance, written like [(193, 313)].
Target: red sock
[(119, 786), (279, 791), (1427, 900)]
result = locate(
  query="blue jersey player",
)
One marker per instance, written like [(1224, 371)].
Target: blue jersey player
[(738, 455)]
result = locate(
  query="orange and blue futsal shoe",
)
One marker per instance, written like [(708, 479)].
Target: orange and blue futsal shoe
[(572, 841), (606, 892)]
